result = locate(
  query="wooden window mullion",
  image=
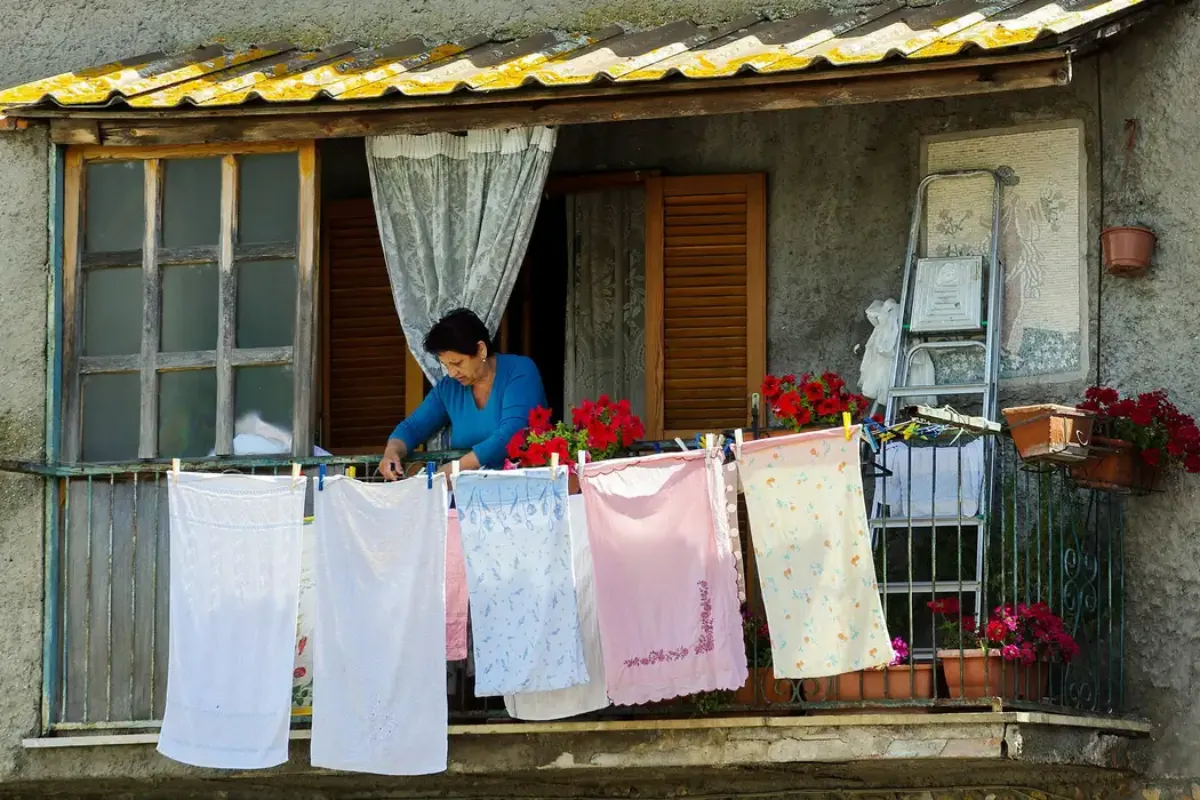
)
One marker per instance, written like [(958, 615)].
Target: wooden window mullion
[(227, 305), (151, 311), (303, 350), (71, 445)]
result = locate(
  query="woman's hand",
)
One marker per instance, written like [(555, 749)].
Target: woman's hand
[(389, 466)]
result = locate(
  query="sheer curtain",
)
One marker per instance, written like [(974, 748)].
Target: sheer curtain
[(606, 298), (455, 215)]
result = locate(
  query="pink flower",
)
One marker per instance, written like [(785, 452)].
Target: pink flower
[(1010, 652)]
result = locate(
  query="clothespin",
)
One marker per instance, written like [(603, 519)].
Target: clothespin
[(658, 447), (580, 459), (455, 468), (739, 438), (910, 430), (708, 441), (866, 433), (351, 472), (679, 442), (321, 478), (429, 468), (295, 473), (846, 424), (175, 469), (553, 465)]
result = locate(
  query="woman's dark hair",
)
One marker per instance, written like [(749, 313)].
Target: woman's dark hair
[(460, 331)]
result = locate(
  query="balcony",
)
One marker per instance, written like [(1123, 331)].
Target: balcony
[(1045, 541)]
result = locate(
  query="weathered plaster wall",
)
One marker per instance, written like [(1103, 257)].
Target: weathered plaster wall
[(1149, 339), (841, 185)]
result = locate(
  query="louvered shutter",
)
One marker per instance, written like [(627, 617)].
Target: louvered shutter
[(705, 301), (366, 362)]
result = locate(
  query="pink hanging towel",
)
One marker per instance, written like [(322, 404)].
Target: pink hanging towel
[(665, 581), (456, 592)]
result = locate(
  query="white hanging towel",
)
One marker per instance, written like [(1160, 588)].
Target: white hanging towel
[(380, 650), (928, 485), (808, 524), (524, 617), (590, 696), (235, 588)]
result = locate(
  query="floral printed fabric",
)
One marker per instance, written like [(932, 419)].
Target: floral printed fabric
[(808, 524), (524, 617), (666, 585)]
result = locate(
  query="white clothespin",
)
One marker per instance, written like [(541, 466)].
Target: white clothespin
[(580, 459), (175, 469), (455, 468), (679, 442), (295, 474), (739, 439), (708, 441), (553, 465)]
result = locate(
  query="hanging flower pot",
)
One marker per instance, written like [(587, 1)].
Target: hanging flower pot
[(1127, 250), (1115, 465), (1050, 433)]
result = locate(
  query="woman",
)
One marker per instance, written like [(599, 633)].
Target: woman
[(485, 398)]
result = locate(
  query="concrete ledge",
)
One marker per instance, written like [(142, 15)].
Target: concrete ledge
[(917, 744)]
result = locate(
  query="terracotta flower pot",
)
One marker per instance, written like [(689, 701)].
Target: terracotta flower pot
[(902, 682), (763, 687), (1115, 465), (1127, 250), (573, 484), (972, 674), (1050, 433)]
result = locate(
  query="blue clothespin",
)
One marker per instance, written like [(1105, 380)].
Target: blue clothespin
[(321, 478), (866, 431), (657, 447), (429, 468)]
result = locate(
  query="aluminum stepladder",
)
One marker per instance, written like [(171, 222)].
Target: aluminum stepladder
[(964, 320)]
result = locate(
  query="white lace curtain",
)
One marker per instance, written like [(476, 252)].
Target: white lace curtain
[(455, 214), (606, 298)]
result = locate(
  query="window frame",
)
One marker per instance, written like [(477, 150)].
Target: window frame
[(149, 363)]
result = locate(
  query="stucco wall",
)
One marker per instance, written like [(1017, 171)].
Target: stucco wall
[(841, 185)]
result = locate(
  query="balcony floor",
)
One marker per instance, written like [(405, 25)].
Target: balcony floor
[(652, 758)]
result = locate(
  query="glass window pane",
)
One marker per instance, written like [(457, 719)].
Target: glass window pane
[(115, 210), (112, 311), (266, 303), (268, 198), (111, 409), (266, 391), (191, 202), (189, 308), (187, 413)]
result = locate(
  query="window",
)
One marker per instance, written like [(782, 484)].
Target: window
[(706, 338), (188, 298)]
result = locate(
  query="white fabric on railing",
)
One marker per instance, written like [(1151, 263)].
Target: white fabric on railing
[(380, 652), (235, 588), (455, 215)]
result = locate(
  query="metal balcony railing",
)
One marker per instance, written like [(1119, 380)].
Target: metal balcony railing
[(1040, 540)]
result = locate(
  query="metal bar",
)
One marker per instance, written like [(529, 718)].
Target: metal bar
[(87, 614), (133, 559), (108, 611), (935, 389)]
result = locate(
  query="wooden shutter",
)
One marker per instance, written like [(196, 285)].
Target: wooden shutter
[(705, 301), (370, 379)]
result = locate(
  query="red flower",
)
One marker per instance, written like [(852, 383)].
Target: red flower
[(770, 388), (996, 631), (623, 407), (603, 402), (600, 436), (789, 378), (968, 623), (1192, 463), (537, 455), (516, 446), (559, 445), (878, 418), (1140, 415), (946, 605), (539, 420), (802, 416), (813, 391), (833, 381), (828, 406), (788, 404), (1151, 456)]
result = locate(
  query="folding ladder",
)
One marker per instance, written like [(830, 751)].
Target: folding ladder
[(946, 304)]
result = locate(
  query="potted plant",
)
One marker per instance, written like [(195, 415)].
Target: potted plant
[(601, 428), (761, 685), (900, 679), (1147, 434), (1127, 249), (1008, 657), (812, 402)]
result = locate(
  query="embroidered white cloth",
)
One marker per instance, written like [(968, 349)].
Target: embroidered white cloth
[(666, 586), (808, 524), (380, 650), (524, 618), (590, 696), (235, 588)]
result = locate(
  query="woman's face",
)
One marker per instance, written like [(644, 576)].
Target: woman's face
[(466, 369)]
